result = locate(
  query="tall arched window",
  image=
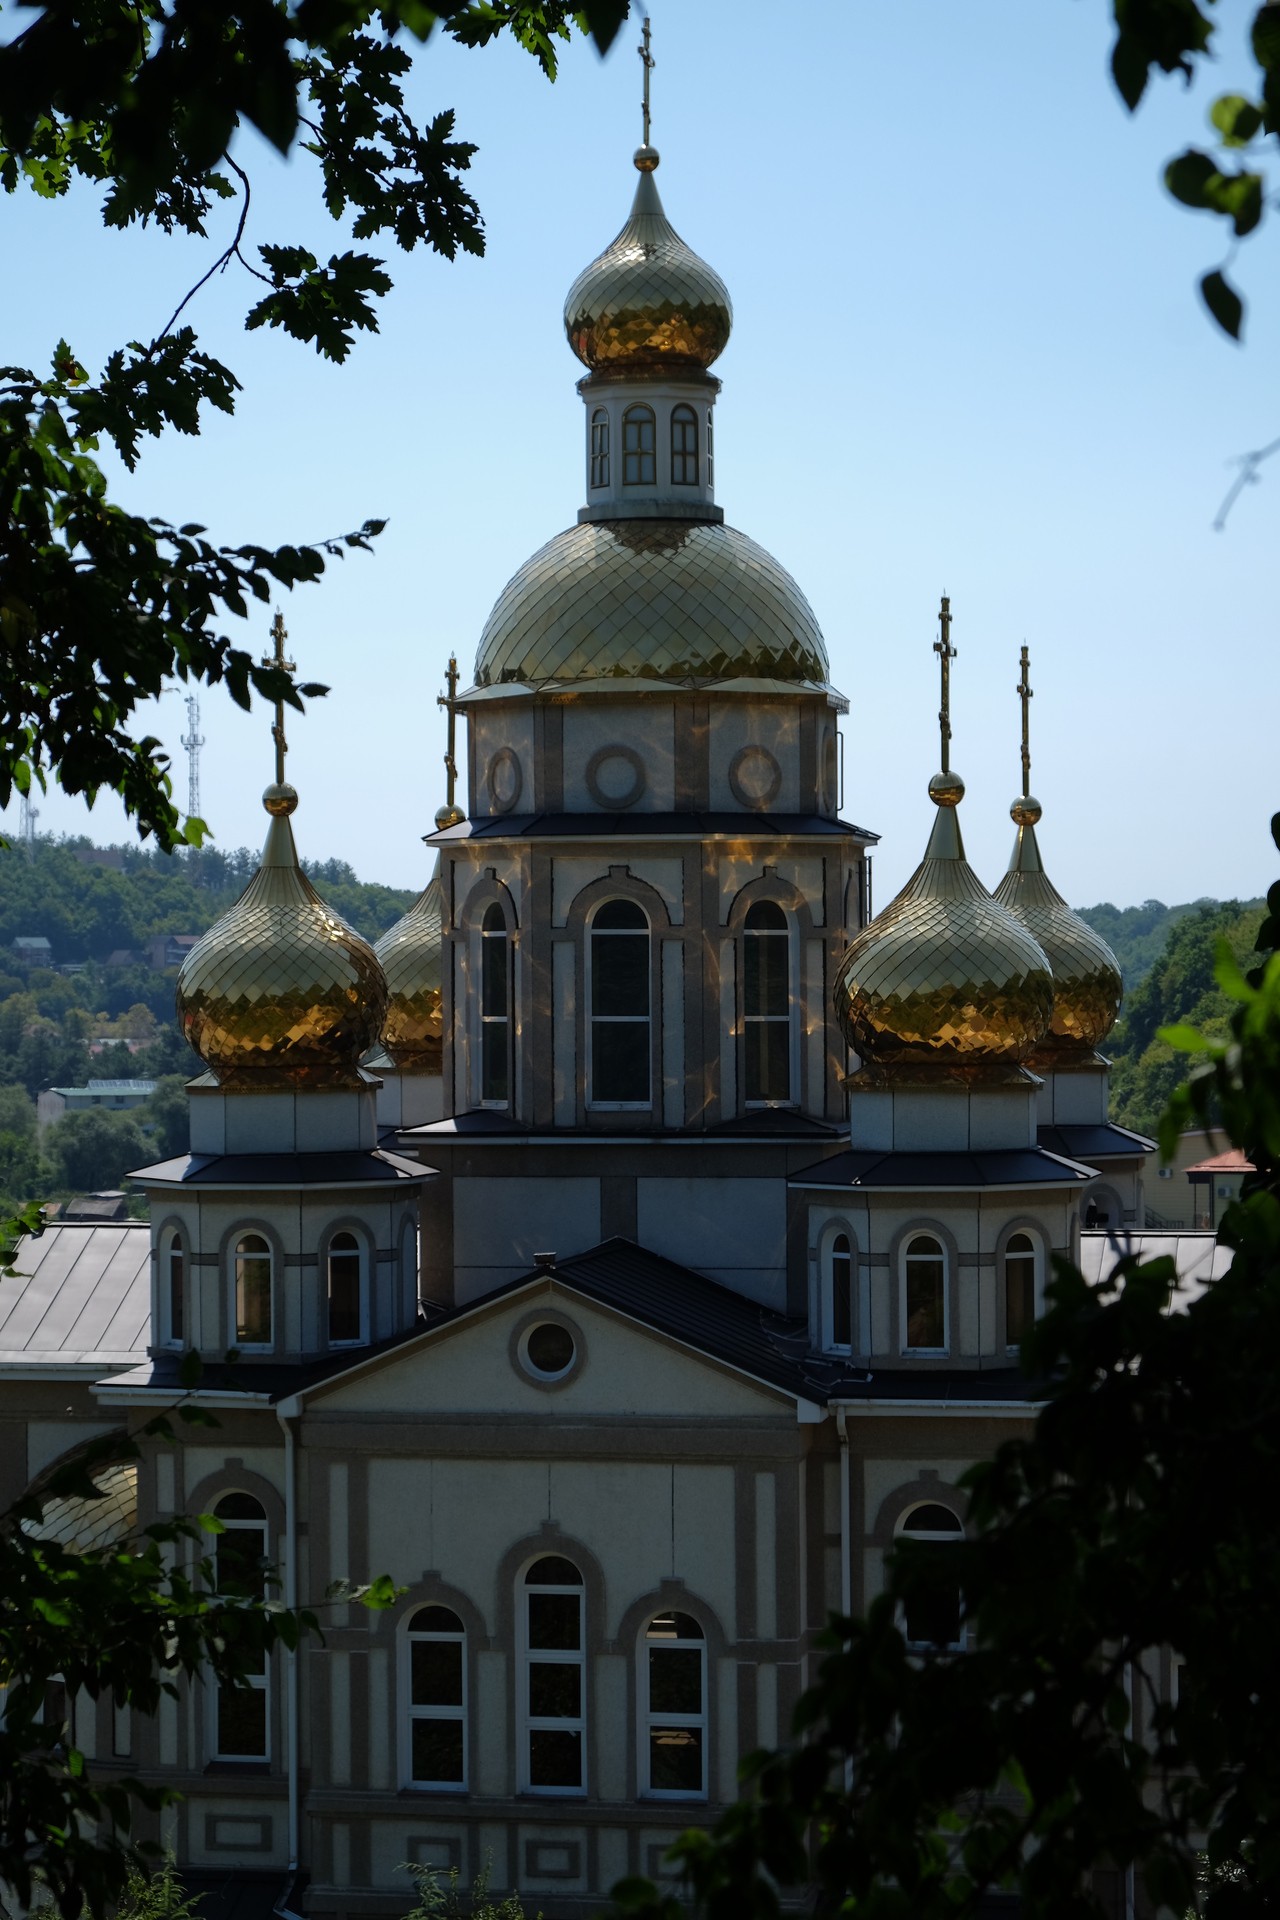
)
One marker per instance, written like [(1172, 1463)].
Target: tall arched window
[(840, 1283), (673, 1696), (553, 1689), (253, 1291), (924, 1295), (711, 450), (619, 1001), (173, 1281), (766, 1004), (1019, 1287), (436, 1705), (684, 447), (344, 1265), (932, 1617), (639, 444), (241, 1723), (495, 1008), (599, 448)]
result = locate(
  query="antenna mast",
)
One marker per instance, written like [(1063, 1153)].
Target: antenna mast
[(27, 829), (193, 740)]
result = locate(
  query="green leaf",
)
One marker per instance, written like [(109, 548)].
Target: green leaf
[(1235, 118), (1185, 1039), (1223, 302)]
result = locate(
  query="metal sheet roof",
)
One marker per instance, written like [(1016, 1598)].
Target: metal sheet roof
[(931, 1172), (650, 826), (81, 1297), (375, 1167), (1197, 1256), (1102, 1142)]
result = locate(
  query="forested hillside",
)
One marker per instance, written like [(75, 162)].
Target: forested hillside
[(1178, 985), (1138, 935), (99, 1003)]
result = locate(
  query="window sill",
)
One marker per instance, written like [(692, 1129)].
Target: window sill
[(258, 1768)]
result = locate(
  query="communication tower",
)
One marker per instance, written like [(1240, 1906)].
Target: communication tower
[(193, 740), (27, 829)]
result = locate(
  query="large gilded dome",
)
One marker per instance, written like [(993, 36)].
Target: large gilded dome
[(281, 992), (648, 303), (685, 601), (945, 978), (409, 954), (1087, 984)]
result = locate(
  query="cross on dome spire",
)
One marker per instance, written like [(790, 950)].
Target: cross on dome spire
[(648, 62), (1026, 696), (281, 797), (946, 654), (450, 814)]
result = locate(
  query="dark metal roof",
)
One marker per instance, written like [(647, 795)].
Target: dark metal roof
[(374, 1167), (650, 826), (275, 1379), (1009, 1167), (81, 1296), (949, 1386), (770, 1124), (1103, 1142)]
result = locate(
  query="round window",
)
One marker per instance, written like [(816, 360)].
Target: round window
[(550, 1350)]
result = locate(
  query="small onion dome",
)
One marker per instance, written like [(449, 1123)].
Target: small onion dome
[(281, 992), (1087, 985), (945, 978), (409, 954), (647, 304), (689, 601)]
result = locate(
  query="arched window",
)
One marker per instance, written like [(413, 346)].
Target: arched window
[(173, 1282), (711, 450), (684, 447), (766, 1004), (253, 1291), (1019, 1287), (924, 1295), (495, 1009), (553, 1690), (241, 1724), (639, 443), (344, 1265), (599, 448), (673, 1694), (437, 1699), (932, 1617), (619, 1004), (840, 1283)]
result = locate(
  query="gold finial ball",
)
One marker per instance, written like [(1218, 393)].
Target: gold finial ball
[(449, 816), (946, 789), (1025, 811), (280, 798), (646, 159)]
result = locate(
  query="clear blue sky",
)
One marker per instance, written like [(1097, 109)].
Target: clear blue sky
[(967, 357)]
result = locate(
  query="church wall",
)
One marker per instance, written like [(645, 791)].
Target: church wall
[(618, 749)]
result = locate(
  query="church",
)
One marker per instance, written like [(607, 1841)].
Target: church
[(624, 1252)]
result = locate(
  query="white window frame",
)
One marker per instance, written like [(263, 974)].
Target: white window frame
[(589, 1018), (641, 415), (237, 1242), (410, 1712), (791, 1101), (361, 1337), (648, 1720), (484, 1021), (598, 452), (682, 415), (909, 1240), (835, 1232), (1037, 1279), (904, 1531), (174, 1242), (257, 1682), (530, 1723)]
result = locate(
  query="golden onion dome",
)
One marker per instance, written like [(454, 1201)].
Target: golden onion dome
[(409, 954), (1087, 985), (281, 992), (648, 304), (945, 979), (687, 601)]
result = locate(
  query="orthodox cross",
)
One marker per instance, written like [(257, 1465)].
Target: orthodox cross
[(648, 63), (449, 701), (1026, 696), (277, 659), (946, 654)]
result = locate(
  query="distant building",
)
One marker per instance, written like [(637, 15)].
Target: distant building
[(113, 1096), (104, 1208), (124, 957), (170, 949), (33, 948), (1200, 1180), (112, 857)]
